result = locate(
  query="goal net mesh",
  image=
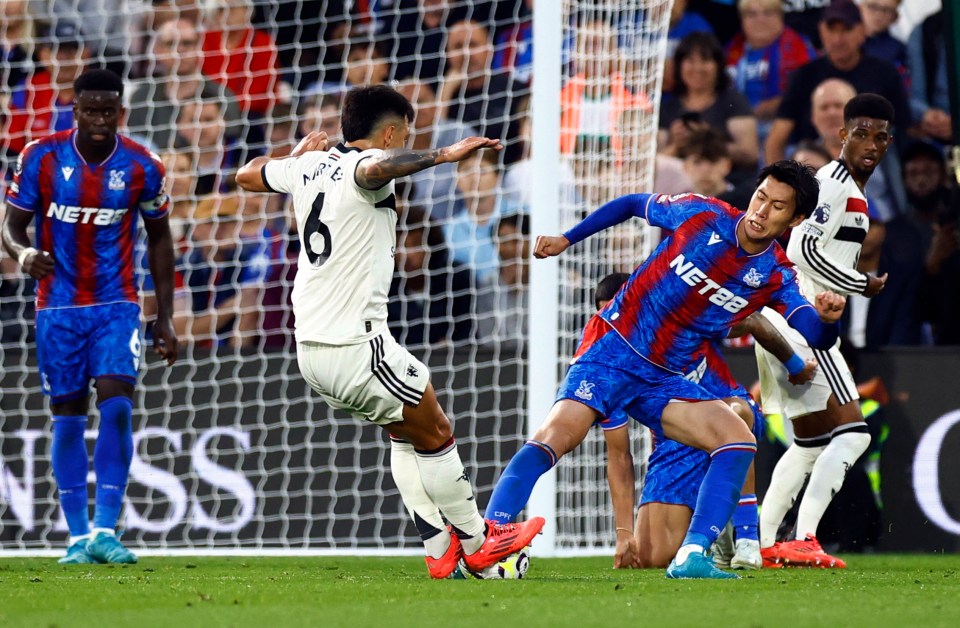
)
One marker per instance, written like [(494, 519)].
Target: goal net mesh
[(232, 449)]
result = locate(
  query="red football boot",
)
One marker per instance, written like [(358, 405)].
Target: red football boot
[(502, 540)]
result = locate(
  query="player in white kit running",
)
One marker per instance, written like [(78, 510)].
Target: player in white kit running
[(346, 216)]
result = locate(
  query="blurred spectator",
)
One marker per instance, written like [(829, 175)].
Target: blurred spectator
[(929, 89), (682, 23), (421, 32), (181, 186), (921, 254), (878, 16), (763, 55), (240, 57), (470, 232), (16, 49), (516, 182), (320, 113), (514, 49), (435, 188), (224, 271), (804, 16), (365, 62), (201, 125), (669, 176), (706, 160), (175, 80), (703, 96), (105, 24), (431, 295), (44, 104), (842, 32), (811, 153), (722, 16), (513, 251), (594, 98), (474, 94)]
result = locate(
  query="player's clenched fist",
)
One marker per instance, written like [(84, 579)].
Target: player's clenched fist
[(830, 306), (548, 246), (875, 285)]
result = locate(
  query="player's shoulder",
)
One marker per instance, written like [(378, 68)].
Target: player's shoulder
[(48, 143), (695, 203), (835, 175)]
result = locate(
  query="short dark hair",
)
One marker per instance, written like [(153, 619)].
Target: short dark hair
[(919, 149), (707, 45), (364, 108), (708, 144), (868, 106), (608, 287), (98, 80), (801, 177), (519, 221), (814, 147)]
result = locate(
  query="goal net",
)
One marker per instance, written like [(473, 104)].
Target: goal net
[(232, 450)]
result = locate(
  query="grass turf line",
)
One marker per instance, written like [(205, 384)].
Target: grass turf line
[(877, 590)]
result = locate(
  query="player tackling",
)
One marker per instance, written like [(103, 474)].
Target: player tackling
[(830, 433), (83, 190), (346, 216)]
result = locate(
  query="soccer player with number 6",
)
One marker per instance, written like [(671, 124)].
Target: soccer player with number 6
[(83, 189), (346, 216)]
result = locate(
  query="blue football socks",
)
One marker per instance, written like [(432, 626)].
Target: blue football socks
[(70, 465), (111, 459), (719, 492), (746, 518), (516, 483)]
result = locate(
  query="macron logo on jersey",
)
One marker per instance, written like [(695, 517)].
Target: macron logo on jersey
[(694, 277), (85, 215), (714, 238)]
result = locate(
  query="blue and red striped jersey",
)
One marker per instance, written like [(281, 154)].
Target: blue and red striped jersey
[(86, 216), (697, 284)]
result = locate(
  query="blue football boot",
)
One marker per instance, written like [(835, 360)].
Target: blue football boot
[(698, 566), (106, 548), (77, 554)]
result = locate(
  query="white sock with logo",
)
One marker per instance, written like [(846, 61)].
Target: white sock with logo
[(446, 482), (788, 477), (422, 509)]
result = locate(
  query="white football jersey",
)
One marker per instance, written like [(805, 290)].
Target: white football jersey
[(348, 237), (826, 246)]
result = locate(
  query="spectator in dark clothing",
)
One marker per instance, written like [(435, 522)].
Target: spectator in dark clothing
[(929, 88), (922, 254), (431, 295), (878, 17), (841, 29)]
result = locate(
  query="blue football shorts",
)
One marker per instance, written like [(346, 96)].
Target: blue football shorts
[(77, 344), (611, 377)]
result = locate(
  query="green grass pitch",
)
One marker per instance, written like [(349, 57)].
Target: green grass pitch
[(876, 591)]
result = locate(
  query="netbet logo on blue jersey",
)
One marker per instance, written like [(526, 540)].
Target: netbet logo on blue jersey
[(85, 215), (693, 276)]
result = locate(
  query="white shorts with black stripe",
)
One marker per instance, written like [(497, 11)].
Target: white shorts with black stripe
[(779, 396), (372, 380)]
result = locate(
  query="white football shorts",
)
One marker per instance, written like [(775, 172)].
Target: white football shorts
[(779, 396), (371, 380)]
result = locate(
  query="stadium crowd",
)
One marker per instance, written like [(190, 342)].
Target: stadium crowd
[(212, 84)]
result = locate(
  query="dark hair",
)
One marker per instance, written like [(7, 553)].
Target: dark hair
[(919, 149), (708, 144), (364, 108), (708, 46), (868, 106), (801, 177), (608, 287), (519, 221), (98, 81)]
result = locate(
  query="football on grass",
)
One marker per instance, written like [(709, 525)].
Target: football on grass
[(513, 567)]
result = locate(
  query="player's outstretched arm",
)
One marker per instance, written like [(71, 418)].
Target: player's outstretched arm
[(37, 264), (160, 259), (820, 326), (620, 476), (250, 175), (374, 173), (767, 336)]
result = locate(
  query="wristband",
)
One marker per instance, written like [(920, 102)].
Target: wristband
[(26, 253), (795, 364), (627, 530)]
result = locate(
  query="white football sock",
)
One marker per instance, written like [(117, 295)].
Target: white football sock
[(846, 446), (406, 474), (788, 477), (447, 484)]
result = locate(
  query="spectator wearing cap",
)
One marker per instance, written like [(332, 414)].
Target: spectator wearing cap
[(44, 105), (175, 81), (841, 30)]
